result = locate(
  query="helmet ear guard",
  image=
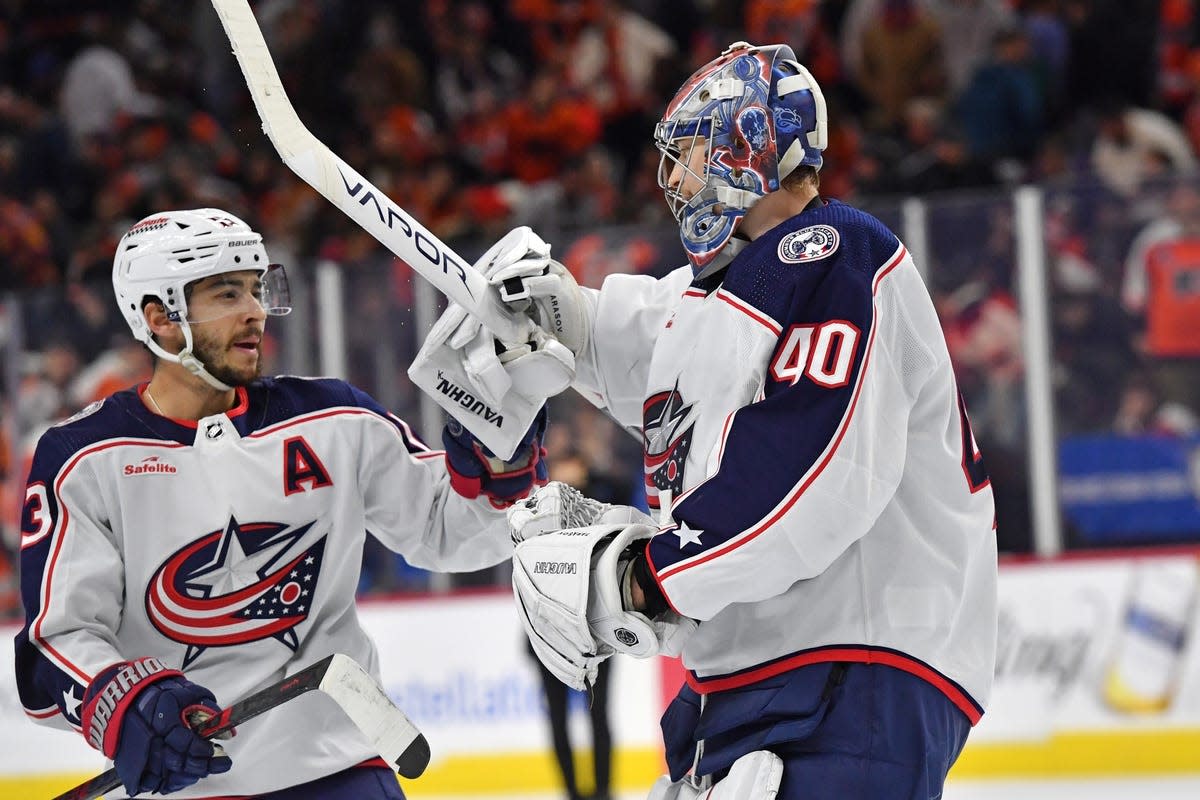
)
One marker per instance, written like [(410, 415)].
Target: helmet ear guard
[(760, 115)]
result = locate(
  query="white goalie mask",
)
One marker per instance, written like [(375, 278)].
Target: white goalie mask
[(163, 253)]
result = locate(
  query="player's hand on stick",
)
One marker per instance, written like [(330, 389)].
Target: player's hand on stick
[(138, 713), (496, 388), (571, 586)]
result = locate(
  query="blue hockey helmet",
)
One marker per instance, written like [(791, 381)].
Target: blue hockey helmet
[(758, 114)]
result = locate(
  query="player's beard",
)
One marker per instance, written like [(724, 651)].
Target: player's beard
[(214, 354)]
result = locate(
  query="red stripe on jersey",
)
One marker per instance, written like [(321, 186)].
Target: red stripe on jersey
[(799, 490), (754, 314), (46, 714), (59, 534), (855, 654), (239, 408)]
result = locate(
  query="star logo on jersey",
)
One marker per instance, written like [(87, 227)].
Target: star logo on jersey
[(687, 535), (71, 704), (245, 583), (809, 244), (667, 427)]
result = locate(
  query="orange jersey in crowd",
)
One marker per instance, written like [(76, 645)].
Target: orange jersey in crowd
[(1173, 298)]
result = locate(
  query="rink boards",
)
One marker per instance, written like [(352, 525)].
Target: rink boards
[(1098, 673)]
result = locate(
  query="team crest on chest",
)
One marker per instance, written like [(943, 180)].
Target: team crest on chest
[(810, 244), (667, 428), (242, 584)]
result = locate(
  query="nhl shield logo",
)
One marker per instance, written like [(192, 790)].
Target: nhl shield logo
[(810, 244)]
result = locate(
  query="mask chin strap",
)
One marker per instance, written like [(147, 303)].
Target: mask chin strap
[(188, 360)]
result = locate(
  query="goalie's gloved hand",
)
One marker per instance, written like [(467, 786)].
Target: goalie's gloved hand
[(475, 470), (529, 281), (137, 713)]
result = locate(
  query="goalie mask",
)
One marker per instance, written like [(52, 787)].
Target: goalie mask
[(163, 253), (757, 115)]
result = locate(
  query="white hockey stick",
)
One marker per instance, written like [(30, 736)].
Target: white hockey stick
[(347, 684), (358, 199)]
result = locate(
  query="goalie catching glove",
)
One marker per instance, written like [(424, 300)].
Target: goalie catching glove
[(572, 587), (495, 389)]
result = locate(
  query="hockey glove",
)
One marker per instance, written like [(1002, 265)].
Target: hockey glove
[(137, 713), (493, 388), (475, 470), (568, 586), (556, 506)]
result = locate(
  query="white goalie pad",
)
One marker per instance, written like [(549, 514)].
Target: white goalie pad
[(754, 776)]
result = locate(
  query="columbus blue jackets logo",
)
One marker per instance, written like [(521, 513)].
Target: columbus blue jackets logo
[(810, 244), (242, 584), (667, 427)]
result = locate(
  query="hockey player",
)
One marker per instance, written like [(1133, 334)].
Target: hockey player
[(825, 555), (190, 540)]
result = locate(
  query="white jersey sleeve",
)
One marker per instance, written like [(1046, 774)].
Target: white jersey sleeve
[(628, 314)]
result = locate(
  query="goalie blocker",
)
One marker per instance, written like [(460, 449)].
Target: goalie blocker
[(572, 587)]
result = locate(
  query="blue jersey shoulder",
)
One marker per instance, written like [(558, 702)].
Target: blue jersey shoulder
[(117, 416), (284, 397), (832, 241)]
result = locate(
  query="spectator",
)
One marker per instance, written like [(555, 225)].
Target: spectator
[(613, 61), (902, 59), (1135, 144), (546, 127), (1142, 411), (99, 85), (1001, 109)]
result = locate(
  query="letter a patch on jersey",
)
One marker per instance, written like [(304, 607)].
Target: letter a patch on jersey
[(302, 470)]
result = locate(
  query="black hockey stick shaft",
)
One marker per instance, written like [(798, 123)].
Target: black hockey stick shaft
[(244, 710)]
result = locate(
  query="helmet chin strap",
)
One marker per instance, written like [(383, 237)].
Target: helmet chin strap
[(188, 360)]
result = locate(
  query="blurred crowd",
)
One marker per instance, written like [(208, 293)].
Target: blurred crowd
[(478, 115), (482, 114)]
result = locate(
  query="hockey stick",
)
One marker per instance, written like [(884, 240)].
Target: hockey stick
[(358, 199), (347, 684)]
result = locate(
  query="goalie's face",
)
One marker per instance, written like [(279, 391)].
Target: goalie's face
[(683, 170)]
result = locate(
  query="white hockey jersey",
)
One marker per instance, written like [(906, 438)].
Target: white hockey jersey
[(827, 499), (231, 549)]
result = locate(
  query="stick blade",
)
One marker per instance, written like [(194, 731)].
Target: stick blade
[(363, 700)]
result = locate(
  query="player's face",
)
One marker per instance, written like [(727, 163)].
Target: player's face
[(692, 154), (227, 320)]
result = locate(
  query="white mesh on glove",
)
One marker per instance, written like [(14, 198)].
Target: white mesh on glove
[(556, 506)]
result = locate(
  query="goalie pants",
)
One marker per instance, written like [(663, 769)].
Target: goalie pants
[(844, 731)]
